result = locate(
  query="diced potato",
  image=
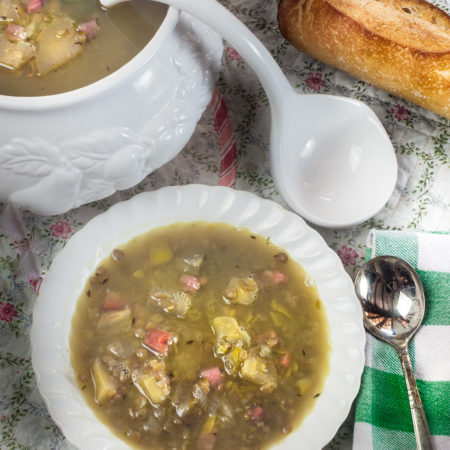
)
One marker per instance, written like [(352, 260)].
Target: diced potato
[(229, 334), (33, 26), (153, 383), (104, 383), (9, 10), (138, 274), (260, 371), (226, 328), (156, 390), (232, 360), (303, 385), (59, 42), (160, 254), (13, 55), (208, 426), (177, 303), (242, 290), (113, 322)]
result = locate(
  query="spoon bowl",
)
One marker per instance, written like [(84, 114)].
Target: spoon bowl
[(392, 298), (331, 158), (393, 303)]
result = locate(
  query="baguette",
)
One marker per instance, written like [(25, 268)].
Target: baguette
[(401, 46)]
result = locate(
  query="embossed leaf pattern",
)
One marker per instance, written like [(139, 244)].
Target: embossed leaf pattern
[(90, 153), (30, 157), (93, 189)]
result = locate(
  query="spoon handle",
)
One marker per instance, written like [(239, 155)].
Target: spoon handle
[(423, 437)]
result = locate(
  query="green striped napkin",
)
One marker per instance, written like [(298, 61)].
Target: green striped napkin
[(383, 420)]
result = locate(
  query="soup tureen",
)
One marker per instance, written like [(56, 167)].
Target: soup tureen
[(61, 151)]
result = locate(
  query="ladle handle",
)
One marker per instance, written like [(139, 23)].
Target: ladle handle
[(423, 437), (221, 20), (217, 17)]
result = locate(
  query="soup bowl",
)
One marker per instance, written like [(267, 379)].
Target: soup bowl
[(60, 151), (74, 265)]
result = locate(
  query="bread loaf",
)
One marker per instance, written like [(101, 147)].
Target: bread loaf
[(402, 46)]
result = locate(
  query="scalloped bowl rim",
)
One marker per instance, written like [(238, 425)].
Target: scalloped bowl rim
[(86, 248)]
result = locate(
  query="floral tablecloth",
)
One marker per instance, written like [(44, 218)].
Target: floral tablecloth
[(28, 243)]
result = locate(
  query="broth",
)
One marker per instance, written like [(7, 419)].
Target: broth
[(200, 336), (119, 34)]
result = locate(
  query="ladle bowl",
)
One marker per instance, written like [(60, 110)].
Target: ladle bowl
[(331, 159)]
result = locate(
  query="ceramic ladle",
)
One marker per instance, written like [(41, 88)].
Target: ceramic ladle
[(331, 159)]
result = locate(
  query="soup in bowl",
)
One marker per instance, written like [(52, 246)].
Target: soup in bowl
[(200, 335), (196, 317), (92, 100)]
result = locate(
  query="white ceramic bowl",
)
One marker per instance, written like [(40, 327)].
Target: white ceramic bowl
[(75, 263), (58, 152)]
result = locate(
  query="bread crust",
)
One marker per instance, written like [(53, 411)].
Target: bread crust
[(402, 46)]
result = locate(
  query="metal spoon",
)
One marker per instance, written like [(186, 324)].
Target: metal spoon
[(331, 159), (391, 295)]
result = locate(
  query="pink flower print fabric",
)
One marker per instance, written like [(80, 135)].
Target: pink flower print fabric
[(7, 312), (315, 81), (348, 255), (61, 229)]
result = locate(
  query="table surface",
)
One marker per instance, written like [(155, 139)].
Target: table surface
[(28, 243)]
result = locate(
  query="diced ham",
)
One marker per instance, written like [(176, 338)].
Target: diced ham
[(213, 375), (15, 32), (285, 360), (158, 340), (206, 441), (271, 339), (90, 29), (256, 414), (273, 277), (113, 302), (34, 5), (189, 283)]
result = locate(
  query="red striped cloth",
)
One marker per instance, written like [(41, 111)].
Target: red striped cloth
[(227, 141)]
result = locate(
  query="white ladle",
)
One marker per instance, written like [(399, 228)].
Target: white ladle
[(331, 159)]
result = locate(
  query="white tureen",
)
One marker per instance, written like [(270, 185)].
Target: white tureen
[(61, 151)]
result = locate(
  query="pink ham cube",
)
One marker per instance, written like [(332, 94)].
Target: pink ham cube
[(34, 5), (90, 29), (213, 375), (189, 283), (15, 32), (273, 277)]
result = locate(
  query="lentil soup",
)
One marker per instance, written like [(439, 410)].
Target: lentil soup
[(201, 336)]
